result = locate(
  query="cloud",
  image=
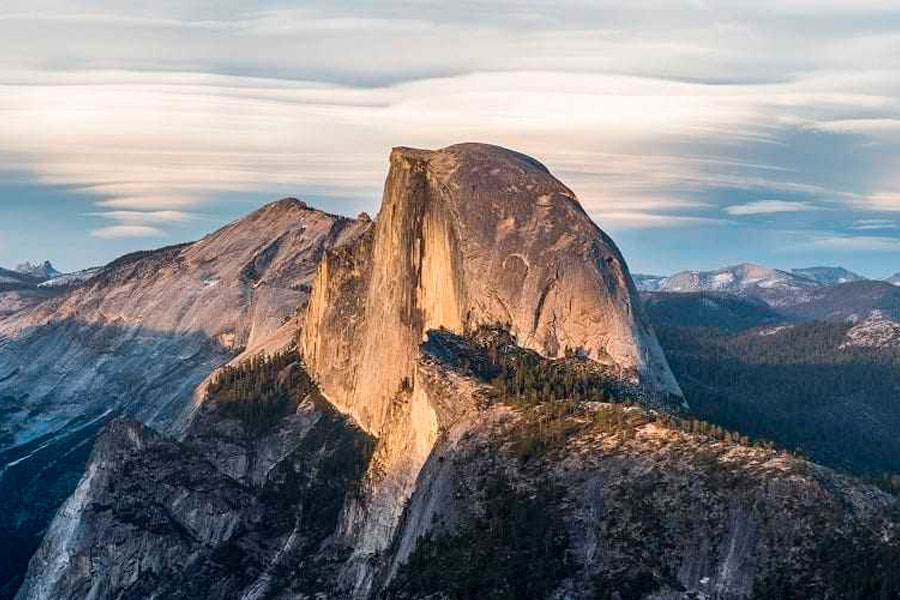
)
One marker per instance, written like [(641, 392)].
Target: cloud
[(872, 127), (641, 220), (874, 224), (144, 203), (658, 114), (857, 243), (115, 232), (763, 207), (132, 217), (888, 201)]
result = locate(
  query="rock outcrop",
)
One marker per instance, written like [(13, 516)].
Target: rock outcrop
[(135, 339), (468, 235)]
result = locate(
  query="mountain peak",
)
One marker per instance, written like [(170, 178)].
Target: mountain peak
[(743, 278), (42, 271), (287, 202), (467, 235), (828, 275), (488, 156)]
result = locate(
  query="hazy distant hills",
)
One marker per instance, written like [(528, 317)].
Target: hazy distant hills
[(828, 275), (817, 369), (747, 279)]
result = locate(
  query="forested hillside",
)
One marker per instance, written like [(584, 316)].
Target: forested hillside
[(798, 383)]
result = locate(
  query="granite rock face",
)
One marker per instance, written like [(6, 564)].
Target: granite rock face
[(157, 518), (136, 339), (155, 323), (468, 235)]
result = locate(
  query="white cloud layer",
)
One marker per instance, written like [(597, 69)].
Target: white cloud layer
[(764, 207), (658, 114), (116, 232)]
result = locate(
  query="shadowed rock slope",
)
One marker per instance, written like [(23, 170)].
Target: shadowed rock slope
[(136, 339)]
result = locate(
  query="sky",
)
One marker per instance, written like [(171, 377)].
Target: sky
[(698, 133)]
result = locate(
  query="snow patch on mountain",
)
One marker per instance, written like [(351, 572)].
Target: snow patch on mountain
[(774, 330), (828, 275), (67, 279), (735, 279)]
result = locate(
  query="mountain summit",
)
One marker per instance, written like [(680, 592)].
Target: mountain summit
[(41, 271), (828, 275), (468, 235)]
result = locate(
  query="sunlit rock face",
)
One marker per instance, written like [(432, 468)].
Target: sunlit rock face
[(136, 339), (468, 235), (152, 324)]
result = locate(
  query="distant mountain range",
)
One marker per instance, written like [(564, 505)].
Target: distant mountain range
[(807, 357), (748, 277), (41, 271), (30, 284)]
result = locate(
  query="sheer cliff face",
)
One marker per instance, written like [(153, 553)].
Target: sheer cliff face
[(467, 235)]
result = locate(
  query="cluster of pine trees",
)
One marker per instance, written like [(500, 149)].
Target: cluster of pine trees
[(261, 390), (524, 377)]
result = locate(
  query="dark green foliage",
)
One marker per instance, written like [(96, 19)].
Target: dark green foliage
[(709, 309), (798, 387), (856, 565), (525, 378), (262, 390), (514, 548), (629, 586)]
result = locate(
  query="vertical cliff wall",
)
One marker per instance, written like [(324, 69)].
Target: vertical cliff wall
[(468, 235)]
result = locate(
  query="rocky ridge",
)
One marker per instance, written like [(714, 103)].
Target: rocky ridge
[(136, 339), (518, 498), (468, 235)]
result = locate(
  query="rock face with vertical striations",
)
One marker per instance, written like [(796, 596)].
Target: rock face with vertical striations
[(468, 235)]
